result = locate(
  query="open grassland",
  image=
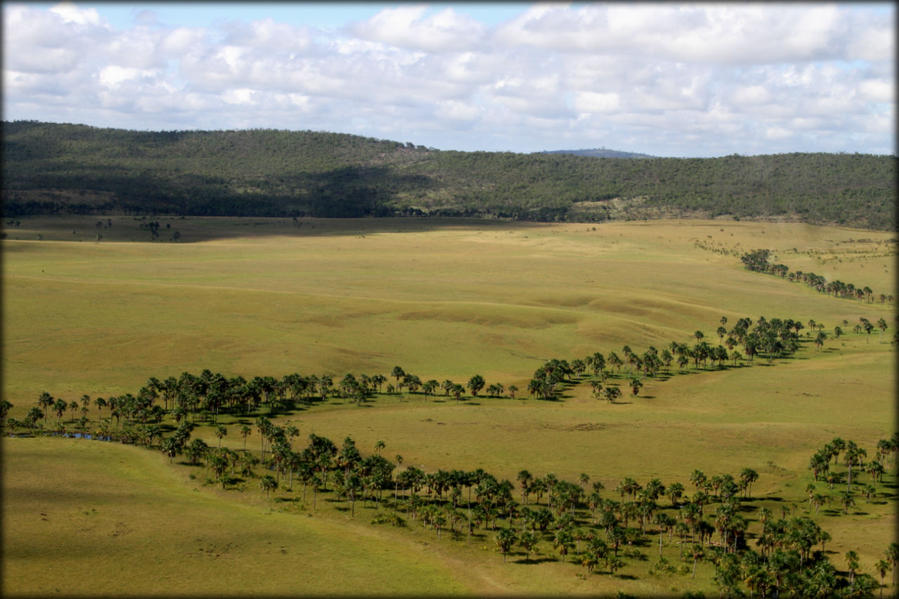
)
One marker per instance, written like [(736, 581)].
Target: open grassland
[(83, 518), (497, 299), (267, 297)]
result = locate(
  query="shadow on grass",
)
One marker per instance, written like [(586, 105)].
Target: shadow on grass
[(288, 500), (536, 560)]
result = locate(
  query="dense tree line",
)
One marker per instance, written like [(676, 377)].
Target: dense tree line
[(759, 261), (205, 396), (770, 339), (74, 168)]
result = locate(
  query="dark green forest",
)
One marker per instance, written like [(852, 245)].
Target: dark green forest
[(63, 168)]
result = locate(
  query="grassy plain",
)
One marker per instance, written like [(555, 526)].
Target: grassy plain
[(448, 299), (79, 515)]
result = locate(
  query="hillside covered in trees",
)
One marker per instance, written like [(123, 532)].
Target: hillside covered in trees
[(62, 168)]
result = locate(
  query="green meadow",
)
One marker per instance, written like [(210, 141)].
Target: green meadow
[(444, 299)]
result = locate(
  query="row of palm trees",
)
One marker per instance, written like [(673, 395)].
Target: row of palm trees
[(576, 519), (758, 261), (774, 338), (210, 394)]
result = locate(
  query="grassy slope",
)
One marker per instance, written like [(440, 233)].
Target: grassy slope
[(78, 515), (466, 298)]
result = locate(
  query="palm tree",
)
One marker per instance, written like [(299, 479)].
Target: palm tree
[(524, 479), (528, 541), (563, 541), (475, 384), (268, 484), (45, 401), (847, 500), (614, 361), (635, 386), (59, 407), (747, 477), (220, 431), (505, 539), (245, 431), (675, 492), (612, 393), (892, 557)]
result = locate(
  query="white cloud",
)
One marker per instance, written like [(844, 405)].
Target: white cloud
[(751, 94), (878, 90), (113, 75), (238, 96), (667, 78), (72, 14), (777, 133), (596, 102), (408, 27)]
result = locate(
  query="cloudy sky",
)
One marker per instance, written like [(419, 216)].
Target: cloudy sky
[(664, 79)]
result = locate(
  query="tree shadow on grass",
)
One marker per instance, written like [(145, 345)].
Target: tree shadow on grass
[(288, 500), (535, 560)]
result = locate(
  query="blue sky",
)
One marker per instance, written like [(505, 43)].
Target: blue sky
[(666, 79)]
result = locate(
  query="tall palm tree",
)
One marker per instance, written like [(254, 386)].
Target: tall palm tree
[(220, 432), (747, 477), (245, 431)]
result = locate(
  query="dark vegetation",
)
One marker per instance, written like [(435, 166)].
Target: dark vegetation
[(60, 168), (759, 261)]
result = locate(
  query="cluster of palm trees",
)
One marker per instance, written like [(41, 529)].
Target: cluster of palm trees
[(758, 261), (574, 520), (206, 396), (823, 466), (774, 338)]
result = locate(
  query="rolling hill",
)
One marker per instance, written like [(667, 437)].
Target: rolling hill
[(63, 168)]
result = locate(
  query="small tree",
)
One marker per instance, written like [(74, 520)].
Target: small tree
[(268, 484), (475, 384), (505, 539), (528, 541)]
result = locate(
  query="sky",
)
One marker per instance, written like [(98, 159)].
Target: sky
[(666, 79)]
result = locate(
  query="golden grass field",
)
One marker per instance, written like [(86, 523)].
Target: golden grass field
[(443, 299)]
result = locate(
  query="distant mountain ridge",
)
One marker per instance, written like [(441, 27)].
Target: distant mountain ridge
[(600, 153), (63, 168)]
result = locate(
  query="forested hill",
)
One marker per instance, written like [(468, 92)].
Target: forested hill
[(51, 168)]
